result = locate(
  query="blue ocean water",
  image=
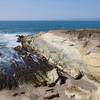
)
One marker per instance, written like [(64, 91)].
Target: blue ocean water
[(37, 26), (9, 29)]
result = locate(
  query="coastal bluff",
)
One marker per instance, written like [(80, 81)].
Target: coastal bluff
[(76, 52), (72, 55)]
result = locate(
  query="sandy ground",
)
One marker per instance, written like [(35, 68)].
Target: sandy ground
[(28, 92), (32, 93)]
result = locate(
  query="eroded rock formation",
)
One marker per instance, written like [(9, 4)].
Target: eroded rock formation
[(75, 54)]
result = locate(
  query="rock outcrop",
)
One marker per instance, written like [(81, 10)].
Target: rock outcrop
[(71, 57), (75, 52), (35, 70)]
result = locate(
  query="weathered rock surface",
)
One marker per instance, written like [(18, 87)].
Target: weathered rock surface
[(52, 76), (35, 70), (74, 55), (93, 64), (75, 52)]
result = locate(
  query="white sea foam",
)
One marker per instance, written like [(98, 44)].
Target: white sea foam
[(9, 39)]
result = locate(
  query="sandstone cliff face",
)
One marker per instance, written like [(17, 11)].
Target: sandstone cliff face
[(75, 55), (74, 52)]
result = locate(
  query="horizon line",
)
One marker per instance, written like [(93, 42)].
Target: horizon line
[(70, 19), (58, 20)]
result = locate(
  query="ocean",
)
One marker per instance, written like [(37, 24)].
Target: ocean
[(9, 30)]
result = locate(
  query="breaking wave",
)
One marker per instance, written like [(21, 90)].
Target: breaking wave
[(9, 39)]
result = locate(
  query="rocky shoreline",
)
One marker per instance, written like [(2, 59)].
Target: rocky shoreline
[(76, 51), (58, 65)]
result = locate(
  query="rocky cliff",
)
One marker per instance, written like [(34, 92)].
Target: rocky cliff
[(74, 54)]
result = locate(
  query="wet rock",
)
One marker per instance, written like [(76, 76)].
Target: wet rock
[(35, 70), (0, 54), (20, 37), (18, 48), (7, 81)]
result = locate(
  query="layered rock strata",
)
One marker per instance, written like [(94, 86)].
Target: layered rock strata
[(76, 52), (71, 58)]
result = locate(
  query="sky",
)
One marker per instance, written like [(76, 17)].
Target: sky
[(49, 9)]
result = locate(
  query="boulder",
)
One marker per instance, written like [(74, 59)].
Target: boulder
[(18, 48), (52, 76), (74, 72)]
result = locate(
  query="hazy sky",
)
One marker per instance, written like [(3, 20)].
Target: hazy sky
[(48, 9)]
